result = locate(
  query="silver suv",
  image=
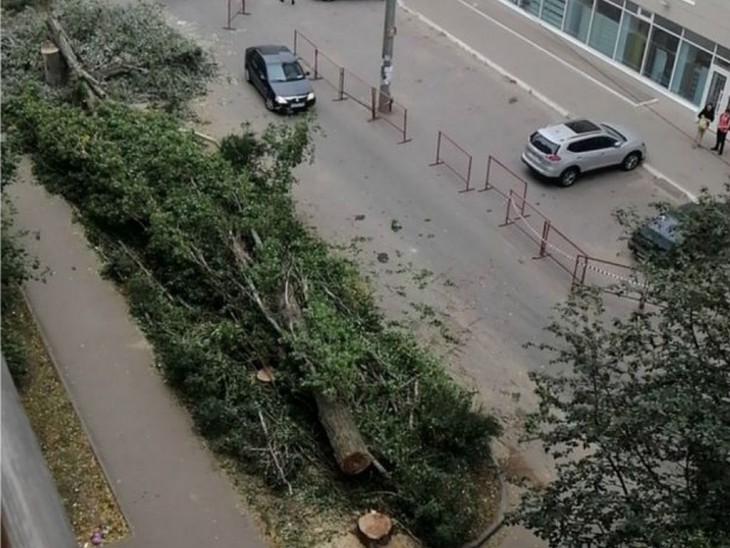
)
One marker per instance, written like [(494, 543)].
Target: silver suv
[(566, 150)]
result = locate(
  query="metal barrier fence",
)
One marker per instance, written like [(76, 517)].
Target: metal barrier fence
[(233, 10), (612, 277), (321, 66), (502, 179), (453, 156), (348, 85), (395, 114), (552, 243)]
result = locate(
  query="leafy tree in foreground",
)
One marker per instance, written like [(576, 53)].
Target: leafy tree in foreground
[(636, 410)]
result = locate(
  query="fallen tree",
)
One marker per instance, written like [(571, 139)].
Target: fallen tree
[(226, 281), (126, 51)]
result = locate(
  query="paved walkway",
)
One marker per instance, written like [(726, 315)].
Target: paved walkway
[(165, 480)]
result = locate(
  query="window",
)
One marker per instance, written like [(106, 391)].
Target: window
[(530, 6), (588, 145), (285, 72), (632, 41), (605, 142), (578, 18), (542, 144), (660, 56), (604, 29), (668, 25), (693, 65), (258, 63), (552, 12)]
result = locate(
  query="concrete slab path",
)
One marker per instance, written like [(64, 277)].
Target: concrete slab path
[(166, 481)]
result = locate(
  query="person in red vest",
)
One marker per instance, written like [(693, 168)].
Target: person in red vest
[(723, 124)]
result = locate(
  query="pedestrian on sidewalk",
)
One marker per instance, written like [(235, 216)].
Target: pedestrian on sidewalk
[(704, 119), (723, 124)]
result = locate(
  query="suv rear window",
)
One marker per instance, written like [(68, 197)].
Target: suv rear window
[(544, 145)]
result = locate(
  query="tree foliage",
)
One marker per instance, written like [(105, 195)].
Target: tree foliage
[(165, 213), (636, 409), (17, 266), (128, 47)]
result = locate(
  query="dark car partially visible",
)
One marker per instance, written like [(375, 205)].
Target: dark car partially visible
[(660, 234), (277, 75)]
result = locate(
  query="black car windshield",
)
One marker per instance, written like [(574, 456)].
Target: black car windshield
[(285, 72)]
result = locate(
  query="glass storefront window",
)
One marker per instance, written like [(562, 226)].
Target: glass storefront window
[(690, 76), (552, 12), (530, 6), (578, 18), (632, 41), (660, 56), (604, 29)]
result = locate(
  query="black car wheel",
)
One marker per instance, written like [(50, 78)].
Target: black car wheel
[(568, 177), (269, 102), (247, 75), (631, 161)]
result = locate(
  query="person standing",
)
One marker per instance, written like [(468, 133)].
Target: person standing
[(723, 124), (704, 119)]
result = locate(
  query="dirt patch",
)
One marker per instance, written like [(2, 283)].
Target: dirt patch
[(87, 498), (518, 471)]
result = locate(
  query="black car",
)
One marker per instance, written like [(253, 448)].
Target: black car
[(661, 233), (275, 72)]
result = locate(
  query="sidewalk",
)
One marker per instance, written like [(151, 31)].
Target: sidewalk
[(166, 482)]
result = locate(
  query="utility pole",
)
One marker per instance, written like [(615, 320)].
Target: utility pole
[(386, 68)]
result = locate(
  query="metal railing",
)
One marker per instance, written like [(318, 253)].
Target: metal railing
[(452, 155)]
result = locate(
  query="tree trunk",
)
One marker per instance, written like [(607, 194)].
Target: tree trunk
[(350, 450), (351, 453), (92, 88), (54, 67), (374, 528)]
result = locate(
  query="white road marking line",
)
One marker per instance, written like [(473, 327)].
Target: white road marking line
[(549, 54), (491, 64), (659, 175), (565, 113)]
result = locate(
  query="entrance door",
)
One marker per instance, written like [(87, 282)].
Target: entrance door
[(718, 90)]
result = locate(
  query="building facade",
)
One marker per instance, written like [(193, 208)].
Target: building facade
[(680, 46)]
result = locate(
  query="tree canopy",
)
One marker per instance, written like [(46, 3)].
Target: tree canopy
[(635, 408)]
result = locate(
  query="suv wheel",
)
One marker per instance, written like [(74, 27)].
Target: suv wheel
[(631, 161), (269, 102), (568, 177), (247, 75)]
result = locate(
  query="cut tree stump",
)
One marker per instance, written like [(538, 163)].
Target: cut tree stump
[(350, 450), (54, 67), (93, 90), (374, 528), (265, 375)]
